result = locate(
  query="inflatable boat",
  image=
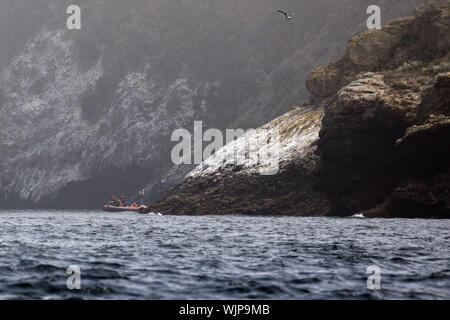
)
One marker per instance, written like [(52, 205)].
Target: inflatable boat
[(132, 208)]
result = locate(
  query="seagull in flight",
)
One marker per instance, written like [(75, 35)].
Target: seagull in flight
[(286, 16)]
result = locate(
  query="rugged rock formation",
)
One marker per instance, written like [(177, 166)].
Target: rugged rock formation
[(383, 147), (221, 187), (384, 138), (90, 112)]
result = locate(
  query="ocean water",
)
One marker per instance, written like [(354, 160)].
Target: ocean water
[(131, 256)]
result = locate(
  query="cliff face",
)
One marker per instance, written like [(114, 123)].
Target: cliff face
[(90, 112), (380, 135), (382, 145), (384, 139)]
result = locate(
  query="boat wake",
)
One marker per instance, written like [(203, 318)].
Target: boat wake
[(155, 214), (358, 215)]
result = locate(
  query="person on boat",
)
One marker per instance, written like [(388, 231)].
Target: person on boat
[(123, 201), (114, 201)]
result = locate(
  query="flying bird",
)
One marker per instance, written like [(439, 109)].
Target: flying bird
[(286, 16)]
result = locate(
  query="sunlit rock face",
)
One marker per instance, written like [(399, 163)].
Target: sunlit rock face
[(86, 113), (222, 185)]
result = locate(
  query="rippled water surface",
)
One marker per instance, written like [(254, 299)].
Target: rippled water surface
[(130, 256)]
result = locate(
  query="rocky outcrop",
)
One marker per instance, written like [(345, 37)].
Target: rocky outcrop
[(220, 186), (384, 141), (424, 190), (383, 144), (370, 143), (423, 38)]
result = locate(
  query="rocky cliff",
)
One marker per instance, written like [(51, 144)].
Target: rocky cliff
[(220, 187), (382, 146), (85, 113)]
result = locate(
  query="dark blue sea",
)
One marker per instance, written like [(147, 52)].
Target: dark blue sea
[(131, 256)]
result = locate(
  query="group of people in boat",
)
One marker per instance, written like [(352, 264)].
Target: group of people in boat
[(121, 202)]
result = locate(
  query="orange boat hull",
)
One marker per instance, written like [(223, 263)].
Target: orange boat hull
[(140, 209)]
